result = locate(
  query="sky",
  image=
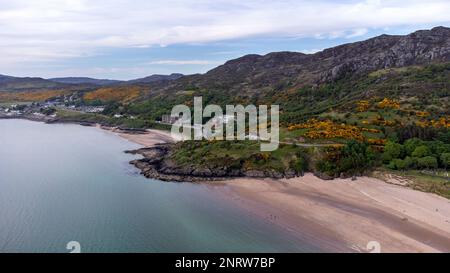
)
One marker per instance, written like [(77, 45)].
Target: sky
[(120, 39)]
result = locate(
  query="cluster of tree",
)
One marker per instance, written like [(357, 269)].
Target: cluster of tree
[(353, 158), (48, 111), (300, 165), (417, 154), (112, 108), (403, 133)]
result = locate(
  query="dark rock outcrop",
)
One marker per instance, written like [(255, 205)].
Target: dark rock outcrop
[(157, 164)]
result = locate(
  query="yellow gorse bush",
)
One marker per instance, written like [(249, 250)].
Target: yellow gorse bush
[(362, 105), (422, 114), (123, 94), (328, 129), (443, 122), (388, 103)]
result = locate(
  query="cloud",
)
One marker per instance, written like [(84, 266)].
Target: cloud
[(183, 62), (357, 32), (311, 51), (49, 30)]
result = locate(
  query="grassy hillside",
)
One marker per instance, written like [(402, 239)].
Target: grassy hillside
[(31, 96), (123, 94), (416, 88)]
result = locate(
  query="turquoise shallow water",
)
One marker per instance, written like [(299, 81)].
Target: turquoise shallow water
[(61, 183)]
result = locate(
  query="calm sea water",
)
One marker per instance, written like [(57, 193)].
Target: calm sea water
[(61, 183)]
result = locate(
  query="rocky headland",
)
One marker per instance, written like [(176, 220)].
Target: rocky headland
[(158, 163)]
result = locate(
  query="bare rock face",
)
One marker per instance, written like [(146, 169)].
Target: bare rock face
[(421, 47), (254, 173)]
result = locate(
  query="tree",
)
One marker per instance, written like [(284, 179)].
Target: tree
[(414, 131), (111, 108), (411, 144), (391, 165), (445, 159), (48, 111), (326, 167), (356, 156), (421, 151), (392, 150), (428, 162), (300, 165), (399, 164), (409, 162), (443, 148), (444, 136)]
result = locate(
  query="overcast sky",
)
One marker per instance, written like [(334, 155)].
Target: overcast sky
[(128, 39)]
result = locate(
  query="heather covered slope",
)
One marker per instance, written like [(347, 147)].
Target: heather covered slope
[(253, 75), (303, 85)]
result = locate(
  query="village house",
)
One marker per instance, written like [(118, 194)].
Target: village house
[(168, 119)]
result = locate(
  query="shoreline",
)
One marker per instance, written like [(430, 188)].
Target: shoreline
[(146, 138), (341, 215)]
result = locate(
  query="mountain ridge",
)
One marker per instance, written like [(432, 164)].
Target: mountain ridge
[(84, 80), (312, 83), (156, 77), (12, 83), (290, 78), (381, 52)]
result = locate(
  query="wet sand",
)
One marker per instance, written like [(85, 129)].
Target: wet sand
[(340, 215)]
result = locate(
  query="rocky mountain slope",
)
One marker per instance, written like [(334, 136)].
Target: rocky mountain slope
[(283, 70), (156, 78), (313, 83)]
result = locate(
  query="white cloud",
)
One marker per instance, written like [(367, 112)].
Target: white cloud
[(36, 31), (357, 32), (311, 51)]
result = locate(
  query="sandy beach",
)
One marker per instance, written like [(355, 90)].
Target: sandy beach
[(345, 215), (341, 215), (147, 139)]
